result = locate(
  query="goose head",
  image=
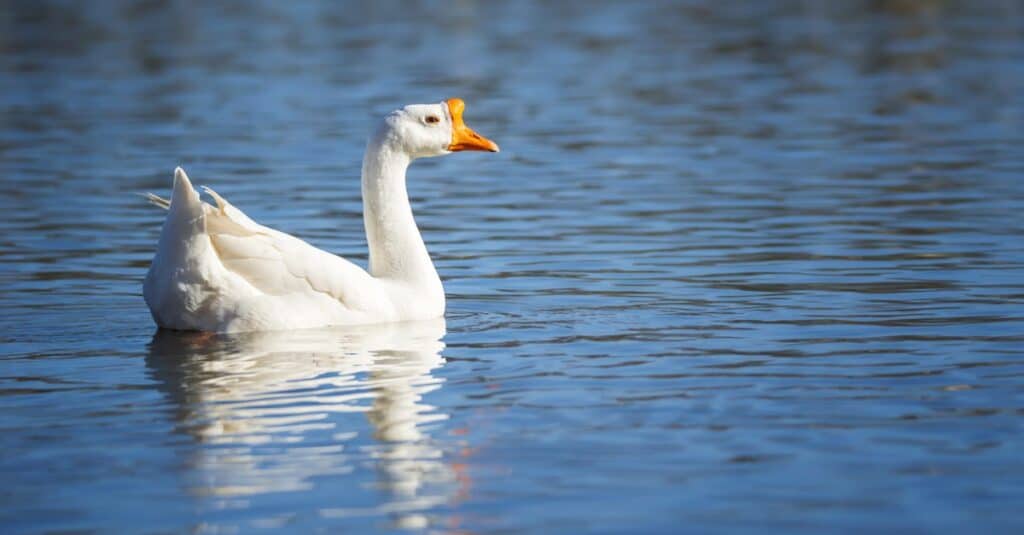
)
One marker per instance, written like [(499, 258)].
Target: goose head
[(423, 130)]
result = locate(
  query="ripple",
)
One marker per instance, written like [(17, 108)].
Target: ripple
[(742, 264)]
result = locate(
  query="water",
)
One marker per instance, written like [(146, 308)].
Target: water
[(736, 265)]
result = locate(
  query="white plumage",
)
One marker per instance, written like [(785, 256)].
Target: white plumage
[(217, 270)]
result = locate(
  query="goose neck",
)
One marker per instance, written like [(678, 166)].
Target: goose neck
[(396, 247)]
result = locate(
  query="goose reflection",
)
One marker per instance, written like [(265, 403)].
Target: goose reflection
[(271, 411)]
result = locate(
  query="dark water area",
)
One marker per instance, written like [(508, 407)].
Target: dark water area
[(738, 265)]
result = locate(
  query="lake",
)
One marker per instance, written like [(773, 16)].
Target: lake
[(738, 265)]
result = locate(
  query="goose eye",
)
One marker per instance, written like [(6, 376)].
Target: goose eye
[(433, 119)]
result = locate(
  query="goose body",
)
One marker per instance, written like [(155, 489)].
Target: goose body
[(215, 269)]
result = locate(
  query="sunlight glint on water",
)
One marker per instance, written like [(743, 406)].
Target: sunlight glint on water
[(735, 265)]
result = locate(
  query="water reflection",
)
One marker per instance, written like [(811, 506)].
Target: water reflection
[(744, 263), (273, 411)]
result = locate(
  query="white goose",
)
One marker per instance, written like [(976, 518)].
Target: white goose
[(217, 270)]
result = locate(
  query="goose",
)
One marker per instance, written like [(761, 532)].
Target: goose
[(216, 270)]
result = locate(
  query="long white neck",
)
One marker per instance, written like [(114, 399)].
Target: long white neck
[(397, 250)]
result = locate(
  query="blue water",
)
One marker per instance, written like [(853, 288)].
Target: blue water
[(738, 265)]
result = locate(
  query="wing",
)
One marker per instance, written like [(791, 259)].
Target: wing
[(278, 264)]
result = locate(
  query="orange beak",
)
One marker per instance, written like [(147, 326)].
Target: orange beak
[(463, 137)]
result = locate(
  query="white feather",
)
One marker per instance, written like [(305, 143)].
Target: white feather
[(215, 269)]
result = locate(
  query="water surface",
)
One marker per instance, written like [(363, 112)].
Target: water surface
[(736, 265)]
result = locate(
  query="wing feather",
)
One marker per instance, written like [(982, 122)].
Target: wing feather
[(277, 263)]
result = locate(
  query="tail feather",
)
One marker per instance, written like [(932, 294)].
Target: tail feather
[(184, 195), (222, 205), (157, 200), (235, 215)]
